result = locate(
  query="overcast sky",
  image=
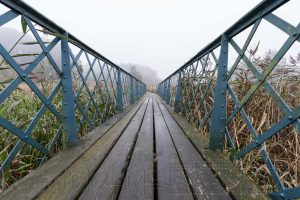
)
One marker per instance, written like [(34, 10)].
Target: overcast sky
[(161, 34)]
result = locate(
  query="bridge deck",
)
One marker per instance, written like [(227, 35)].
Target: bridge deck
[(142, 153)]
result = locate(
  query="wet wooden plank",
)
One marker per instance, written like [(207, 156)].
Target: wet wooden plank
[(138, 183), (34, 183), (204, 183), (72, 181), (171, 180), (107, 181), (237, 183)]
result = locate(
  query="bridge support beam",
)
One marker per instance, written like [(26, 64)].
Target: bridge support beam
[(68, 101), (218, 123), (178, 92), (131, 91), (119, 92)]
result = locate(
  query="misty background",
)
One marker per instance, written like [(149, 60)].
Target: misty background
[(154, 38)]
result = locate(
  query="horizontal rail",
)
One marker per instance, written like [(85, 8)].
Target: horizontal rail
[(23, 8), (264, 8)]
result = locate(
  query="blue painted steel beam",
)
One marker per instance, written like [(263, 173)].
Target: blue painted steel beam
[(120, 92), (68, 108), (217, 130)]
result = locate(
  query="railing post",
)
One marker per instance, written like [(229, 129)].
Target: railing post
[(138, 89), (168, 91), (68, 99), (131, 91), (120, 92), (218, 123), (165, 91), (178, 92)]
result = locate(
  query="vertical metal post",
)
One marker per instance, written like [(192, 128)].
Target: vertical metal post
[(165, 91), (168, 91), (217, 129), (132, 91), (138, 89), (120, 92), (68, 101), (178, 92)]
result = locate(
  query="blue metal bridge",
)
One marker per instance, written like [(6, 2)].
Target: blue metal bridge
[(94, 132)]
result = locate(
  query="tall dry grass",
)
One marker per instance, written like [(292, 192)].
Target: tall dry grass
[(262, 111)]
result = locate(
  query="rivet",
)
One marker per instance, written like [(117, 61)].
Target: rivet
[(26, 137), (295, 34), (290, 117), (24, 75), (224, 65), (225, 51), (222, 106), (65, 64), (281, 194)]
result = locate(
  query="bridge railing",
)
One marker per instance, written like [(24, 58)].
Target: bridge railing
[(53, 89), (219, 88)]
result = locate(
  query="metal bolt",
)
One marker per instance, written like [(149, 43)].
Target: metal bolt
[(26, 137), (290, 117), (295, 34), (24, 75)]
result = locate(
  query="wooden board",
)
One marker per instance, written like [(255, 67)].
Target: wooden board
[(107, 181), (237, 183), (204, 184), (138, 183), (171, 180), (72, 181), (34, 183)]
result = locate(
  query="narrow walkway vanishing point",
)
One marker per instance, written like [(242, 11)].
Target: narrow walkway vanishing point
[(107, 138), (143, 154)]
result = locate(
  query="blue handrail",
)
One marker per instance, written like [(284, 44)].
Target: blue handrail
[(83, 104), (200, 89)]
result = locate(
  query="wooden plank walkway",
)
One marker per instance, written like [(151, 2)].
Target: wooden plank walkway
[(142, 153)]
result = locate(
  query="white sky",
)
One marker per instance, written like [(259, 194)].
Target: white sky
[(161, 34)]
